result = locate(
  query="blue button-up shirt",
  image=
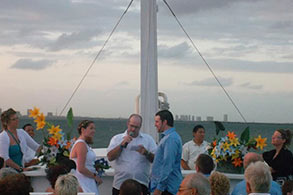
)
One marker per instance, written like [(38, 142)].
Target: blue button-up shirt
[(166, 173), (240, 189)]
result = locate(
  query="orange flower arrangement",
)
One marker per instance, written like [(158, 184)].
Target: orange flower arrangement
[(231, 150), (55, 145)]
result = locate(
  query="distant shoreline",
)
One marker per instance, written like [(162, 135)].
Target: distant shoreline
[(123, 119)]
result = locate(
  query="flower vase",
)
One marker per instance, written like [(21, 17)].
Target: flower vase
[(228, 167)]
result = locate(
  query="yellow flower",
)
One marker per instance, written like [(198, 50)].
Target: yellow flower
[(57, 136), (213, 153), (34, 113), (40, 120), (260, 142), (235, 155), (234, 142), (41, 125), (231, 135), (226, 146), (54, 130)]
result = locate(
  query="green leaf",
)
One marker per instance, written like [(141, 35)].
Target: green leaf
[(244, 138), (219, 127), (66, 153), (69, 117)]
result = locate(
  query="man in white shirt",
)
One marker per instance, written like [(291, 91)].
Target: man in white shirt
[(258, 178), (193, 148), (132, 153)]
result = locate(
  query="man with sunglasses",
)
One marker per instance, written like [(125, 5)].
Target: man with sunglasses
[(132, 153)]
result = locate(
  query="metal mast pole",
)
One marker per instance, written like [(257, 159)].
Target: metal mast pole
[(149, 68)]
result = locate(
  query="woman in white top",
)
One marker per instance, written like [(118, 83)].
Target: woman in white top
[(85, 157), (14, 142)]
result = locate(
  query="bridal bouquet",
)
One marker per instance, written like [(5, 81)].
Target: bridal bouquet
[(101, 165), (229, 151), (56, 144)]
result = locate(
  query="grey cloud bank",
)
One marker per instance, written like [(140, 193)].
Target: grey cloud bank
[(32, 64), (236, 37)]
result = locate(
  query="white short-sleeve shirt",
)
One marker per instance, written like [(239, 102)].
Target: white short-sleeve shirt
[(191, 151), (131, 164)]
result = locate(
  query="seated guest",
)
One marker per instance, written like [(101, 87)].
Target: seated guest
[(194, 184), (29, 157), (53, 173), (6, 172), (14, 142), (66, 185), (240, 188), (130, 187), (17, 184), (204, 164), (287, 188), (258, 178), (220, 184), (2, 163)]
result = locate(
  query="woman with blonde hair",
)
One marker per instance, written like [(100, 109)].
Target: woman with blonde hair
[(66, 185), (14, 141), (220, 184)]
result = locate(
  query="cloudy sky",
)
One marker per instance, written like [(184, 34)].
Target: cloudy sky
[(47, 46)]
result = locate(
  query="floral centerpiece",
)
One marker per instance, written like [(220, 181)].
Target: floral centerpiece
[(56, 144), (229, 151)]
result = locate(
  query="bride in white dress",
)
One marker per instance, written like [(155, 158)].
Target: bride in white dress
[(85, 157)]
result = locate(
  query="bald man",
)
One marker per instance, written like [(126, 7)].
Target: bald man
[(240, 188), (132, 153)]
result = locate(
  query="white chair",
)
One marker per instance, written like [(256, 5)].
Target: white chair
[(41, 193)]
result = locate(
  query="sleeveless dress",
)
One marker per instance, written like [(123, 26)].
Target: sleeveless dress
[(87, 184)]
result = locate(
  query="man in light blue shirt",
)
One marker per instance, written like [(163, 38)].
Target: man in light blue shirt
[(240, 188), (166, 174)]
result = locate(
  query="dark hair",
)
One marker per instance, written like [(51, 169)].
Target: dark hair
[(54, 172), (83, 124), (286, 135), (26, 125), (205, 163), (1, 162), (287, 187), (166, 115), (15, 184), (196, 128), (130, 187), (68, 163), (5, 117)]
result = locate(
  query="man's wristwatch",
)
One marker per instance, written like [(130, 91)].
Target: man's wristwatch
[(20, 169), (121, 147)]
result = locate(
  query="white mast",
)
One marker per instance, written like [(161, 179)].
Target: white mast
[(149, 69)]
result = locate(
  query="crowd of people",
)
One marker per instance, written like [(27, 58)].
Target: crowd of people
[(141, 166)]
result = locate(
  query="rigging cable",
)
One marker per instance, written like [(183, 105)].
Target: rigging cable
[(210, 69), (93, 62)]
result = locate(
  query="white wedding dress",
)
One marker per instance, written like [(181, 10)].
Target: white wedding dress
[(87, 184)]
